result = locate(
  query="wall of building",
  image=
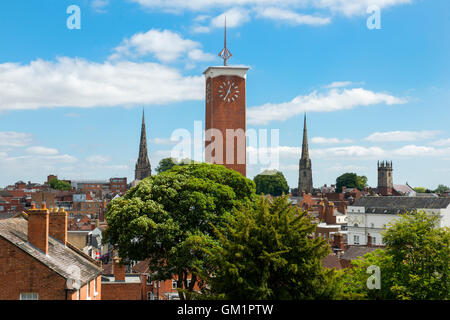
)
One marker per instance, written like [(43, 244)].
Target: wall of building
[(121, 291), (21, 273)]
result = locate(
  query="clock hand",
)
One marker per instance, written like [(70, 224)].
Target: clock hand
[(228, 92)]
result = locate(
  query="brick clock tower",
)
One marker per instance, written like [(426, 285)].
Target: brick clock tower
[(225, 114)]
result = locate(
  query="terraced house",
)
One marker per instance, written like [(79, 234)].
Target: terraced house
[(37, 262)]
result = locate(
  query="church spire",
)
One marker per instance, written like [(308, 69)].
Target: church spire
[(305, 183), (143, 168), (305, 150)]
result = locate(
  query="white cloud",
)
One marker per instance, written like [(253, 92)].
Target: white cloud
[(347, 152), (339, 84), (165, 45), (163, 141), (80, 83), (201, 29), (333, 100), (346, 7), (354, 7), (345, 168), (42, 151), (355, 152), (98, 159), (442, 142), (14, 139), (322, 140), (291, 17), (420, 151), (235, 18), (401, 136), (100, 5)]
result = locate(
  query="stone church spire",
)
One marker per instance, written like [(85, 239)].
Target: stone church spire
[(143, 168), (305, 150), (305, 171)]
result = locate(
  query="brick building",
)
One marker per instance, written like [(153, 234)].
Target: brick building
[(118, 185), (37, 262), (119, 285)]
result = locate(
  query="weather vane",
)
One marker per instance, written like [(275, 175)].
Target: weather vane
[(225, 54)]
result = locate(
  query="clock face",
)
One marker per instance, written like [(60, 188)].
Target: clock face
[(228, 91)]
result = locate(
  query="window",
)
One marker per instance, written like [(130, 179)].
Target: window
[(149, 281), (372, 225), (174, 284), (29, 296), (355, 225), (188, 282), (150, 296), (374, 240), (2, 208), (355, 239)]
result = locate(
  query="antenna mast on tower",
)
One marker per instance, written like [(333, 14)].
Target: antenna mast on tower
[(225, 54)]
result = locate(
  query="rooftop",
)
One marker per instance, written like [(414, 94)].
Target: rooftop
[(60, 258), (129, 278), (403, 202), (354, 252)]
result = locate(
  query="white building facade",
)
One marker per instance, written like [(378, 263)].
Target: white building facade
[(368, 216)]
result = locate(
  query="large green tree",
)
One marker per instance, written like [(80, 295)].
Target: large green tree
[(155, 219), (350, 180), (60, 185), (414, 264), (441, 188), (266, 252), (271, 182), (168, 163)]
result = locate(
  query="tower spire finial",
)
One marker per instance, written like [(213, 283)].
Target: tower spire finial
[(225, 54), (305, 151)]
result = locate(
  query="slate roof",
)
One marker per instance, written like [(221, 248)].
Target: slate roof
[(141, 267), (331, 261), (395, 203), (60, 258), (354, 252), (404, 188)]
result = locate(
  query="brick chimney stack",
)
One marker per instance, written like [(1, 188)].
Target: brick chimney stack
[(338, 241), (38, 227), (118, 270), (58, 225), (330, 218)]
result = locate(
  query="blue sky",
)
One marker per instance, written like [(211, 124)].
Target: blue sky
[(71, 100)]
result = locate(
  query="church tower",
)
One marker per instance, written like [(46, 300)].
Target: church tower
[(305, 172), (143, 169), (385, 184), (225, 141)]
